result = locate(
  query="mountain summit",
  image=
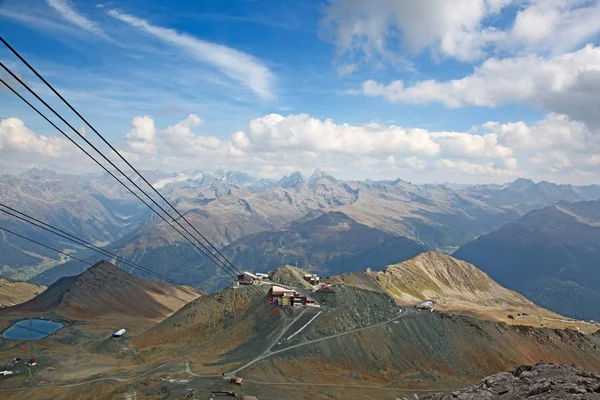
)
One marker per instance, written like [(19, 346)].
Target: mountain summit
[(292, 180), (318, 174), (105, 289), (454, 286)]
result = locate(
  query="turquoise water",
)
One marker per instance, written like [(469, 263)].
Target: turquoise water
[(40, 328)]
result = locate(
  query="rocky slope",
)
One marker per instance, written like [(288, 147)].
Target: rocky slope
[(539, 381), (106, 290), (15, 292), (454, 286), (550, 255)]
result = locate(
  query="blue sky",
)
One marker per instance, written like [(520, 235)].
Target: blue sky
[(482, 90)]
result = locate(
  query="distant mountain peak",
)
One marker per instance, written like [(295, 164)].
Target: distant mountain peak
[(318, 174), (39, 173), (292, 180), (522, 183), (219, 174), (240, 179)]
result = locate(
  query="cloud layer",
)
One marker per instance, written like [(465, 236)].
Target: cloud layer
[(275, 144)]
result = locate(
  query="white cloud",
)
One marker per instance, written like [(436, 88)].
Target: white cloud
[(303, 142), (21, 148), (465, 167), (274, 133), (463, 29), (554, 131), (15, 136), (68, 12), (237, 65), (346, 69), (461, 144), (142, 136), (554, 148), (566, 84), (367, 28), (414, 163)]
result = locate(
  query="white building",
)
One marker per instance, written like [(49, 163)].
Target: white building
[(119, 333), (428, 305)]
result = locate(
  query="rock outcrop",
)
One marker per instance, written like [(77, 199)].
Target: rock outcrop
[(539, 381)]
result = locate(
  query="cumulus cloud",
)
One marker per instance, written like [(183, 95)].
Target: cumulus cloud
[(22, 148), (300, 141), (555, 146), (15, 136), (274, 133), (239, 66), (554, 131), (142, 136), (462, 29), (465, 167), (467, 145)]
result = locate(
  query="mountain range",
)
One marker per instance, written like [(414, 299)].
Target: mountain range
[(261, 223), (550, 255), (96, 209), (358, 335)]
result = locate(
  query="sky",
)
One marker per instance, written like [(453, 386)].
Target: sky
[(466, 91)]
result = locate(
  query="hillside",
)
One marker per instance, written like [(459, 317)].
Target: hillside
[(106, 290), (328, 243), (224, 328), (418, 351), (15, 292), (455, 286), (549, 255)]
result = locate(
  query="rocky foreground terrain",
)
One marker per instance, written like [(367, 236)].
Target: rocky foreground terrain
[(539, 381)]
